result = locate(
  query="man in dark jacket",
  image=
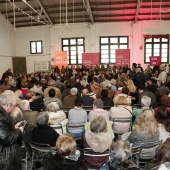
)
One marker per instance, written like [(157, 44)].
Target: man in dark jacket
[(10, 154), (139, 78), (87, 100)]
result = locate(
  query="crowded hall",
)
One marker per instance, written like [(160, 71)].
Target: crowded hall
[(84, 85)]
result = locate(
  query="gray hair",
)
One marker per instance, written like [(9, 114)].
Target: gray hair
[(8, 97), (43, 118), (52, 83), (120, 153), (146, 101), (98, 103), (85, 91), (25, 105), (73, 91), (52, 107), (16, 115)]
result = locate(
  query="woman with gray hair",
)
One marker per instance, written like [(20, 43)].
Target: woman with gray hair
[(10, 153), (40, 133), (98, 111), (145, 103), (120, 157)]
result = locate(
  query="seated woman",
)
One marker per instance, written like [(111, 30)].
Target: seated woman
[(56, 115), (163, 119), (67, 157), (43, 133), (121, 110), (77, 115), (146, 129), (99, 140), (36, 102), (163, 156), (120, 157)]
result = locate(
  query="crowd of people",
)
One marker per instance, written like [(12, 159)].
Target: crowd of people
[(30, 103)]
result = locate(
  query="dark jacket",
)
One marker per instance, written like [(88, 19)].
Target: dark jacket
[(10, 153), (139, 79), (61, 163), (45, 135), (87, 100)]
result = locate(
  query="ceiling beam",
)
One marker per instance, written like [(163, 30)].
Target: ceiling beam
[(45, 12), (137, 9), (88, 9)]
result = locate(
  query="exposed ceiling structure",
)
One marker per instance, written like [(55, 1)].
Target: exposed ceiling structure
[(25, 13)]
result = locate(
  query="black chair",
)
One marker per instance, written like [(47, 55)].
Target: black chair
[(57, 127), (40, 152)]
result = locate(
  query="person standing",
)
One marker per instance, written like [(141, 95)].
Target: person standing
[(10, 153)]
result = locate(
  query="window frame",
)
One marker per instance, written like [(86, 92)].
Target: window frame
[(109, 48), (36, 47), (152, 48), (69, 49)]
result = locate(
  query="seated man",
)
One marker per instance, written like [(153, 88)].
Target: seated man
[(52, 98), (87, 100)]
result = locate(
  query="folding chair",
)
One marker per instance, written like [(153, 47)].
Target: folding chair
[(40, 152), (147, 153), (89, 154), (24, 155), (57, 127), (122, 120)]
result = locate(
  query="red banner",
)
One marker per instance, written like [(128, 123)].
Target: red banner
[(155, 60), (122, 57), (91, 59), (61, 58)]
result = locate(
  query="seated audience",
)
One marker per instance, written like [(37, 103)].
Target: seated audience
[(43, 133), (67, 157), (163, 119), (145, 104), (87, 100), (36, 102), (132, 91), (98, 111), (107, 101), (146, 129), (125, 92), (52, 98), (163, 156), (121, 110), (77, 115), (98, 139), (29, 115), (165, 101), (52, 84), (68, 101), (120, 157), (37, 88)]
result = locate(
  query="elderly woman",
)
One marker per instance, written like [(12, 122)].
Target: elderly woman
[(98, 110), (98, 139), (145, 104), (146, 129), (43, 133), (77, 115), (67, 157), (121, 110), (10, 156), (120, 157)]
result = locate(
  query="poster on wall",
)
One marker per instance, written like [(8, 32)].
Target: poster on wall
[(40, 66), (122, 57), (61, 59), (155, 60), (91, 59)]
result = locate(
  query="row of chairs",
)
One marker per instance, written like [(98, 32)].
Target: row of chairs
[(140, 154)]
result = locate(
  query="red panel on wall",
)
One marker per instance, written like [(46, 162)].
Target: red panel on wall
[(122, 57), (91, 59), (155, 60), (61, 58)]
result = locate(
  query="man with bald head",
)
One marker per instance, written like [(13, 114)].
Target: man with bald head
[(162, 75), (87, 100)]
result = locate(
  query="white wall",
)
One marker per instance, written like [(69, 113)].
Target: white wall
[(51, 37), (7, 44)]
